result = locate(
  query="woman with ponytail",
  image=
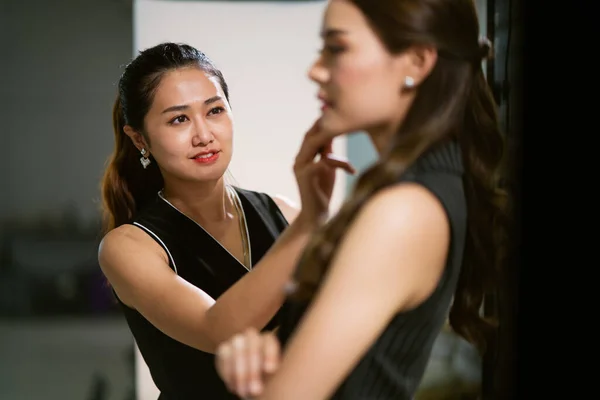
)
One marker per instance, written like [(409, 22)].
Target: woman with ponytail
[(420, 239), (191, 259)]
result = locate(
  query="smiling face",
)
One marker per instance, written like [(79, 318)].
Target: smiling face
[(359, 80), (189, 127)]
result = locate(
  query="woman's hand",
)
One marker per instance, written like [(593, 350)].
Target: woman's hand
[(247, 360), (315, 169)]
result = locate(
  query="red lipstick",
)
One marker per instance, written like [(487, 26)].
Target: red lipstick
[(207, 157)]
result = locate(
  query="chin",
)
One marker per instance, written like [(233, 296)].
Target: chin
[(209, 176), (336, 124), (208, 173)]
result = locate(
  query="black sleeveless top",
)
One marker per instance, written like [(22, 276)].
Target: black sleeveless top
[(179, 371), (394, 366)]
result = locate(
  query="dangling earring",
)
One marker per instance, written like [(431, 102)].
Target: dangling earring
[(144, 160), (409, 82)]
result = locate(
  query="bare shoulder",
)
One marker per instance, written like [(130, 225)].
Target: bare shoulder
[(289, 209), (406, 207), (402, 233), (125, 246), (125, 237), (123, 232)]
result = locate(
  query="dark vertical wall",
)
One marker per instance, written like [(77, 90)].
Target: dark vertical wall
[(505, 22), (59, 62)]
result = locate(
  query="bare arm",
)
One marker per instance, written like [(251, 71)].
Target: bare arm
[(138, 270), (390, 260), (288, 208)]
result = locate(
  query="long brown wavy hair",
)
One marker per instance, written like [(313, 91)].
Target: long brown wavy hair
[(126, 186), (454, 102)]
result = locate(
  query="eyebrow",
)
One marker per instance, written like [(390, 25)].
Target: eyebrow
[(185, 106), (327, 33)]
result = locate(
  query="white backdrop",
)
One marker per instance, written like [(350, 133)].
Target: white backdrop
[(264, 50)]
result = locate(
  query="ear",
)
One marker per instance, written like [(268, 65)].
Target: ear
[(417, 63), (138, 140)]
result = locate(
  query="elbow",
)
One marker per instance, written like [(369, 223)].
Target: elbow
[(211, 335), (207, 346), (217, 330), (202, 341)]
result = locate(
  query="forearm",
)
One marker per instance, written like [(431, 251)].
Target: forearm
[(254, 299)]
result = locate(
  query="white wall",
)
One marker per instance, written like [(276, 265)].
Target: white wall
[(264, 50)]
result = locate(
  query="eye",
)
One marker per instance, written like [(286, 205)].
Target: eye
[(216, 110), (329, 49), (180, 119)]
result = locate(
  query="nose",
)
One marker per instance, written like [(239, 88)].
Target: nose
[(318, 72), (202, 135)]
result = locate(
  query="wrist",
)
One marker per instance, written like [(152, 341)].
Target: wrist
[(309, 223)]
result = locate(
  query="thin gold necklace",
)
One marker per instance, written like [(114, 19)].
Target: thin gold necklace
[(243, 225)]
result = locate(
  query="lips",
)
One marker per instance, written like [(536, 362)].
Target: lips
[(325, 103), (207, 158), (206, 154)]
